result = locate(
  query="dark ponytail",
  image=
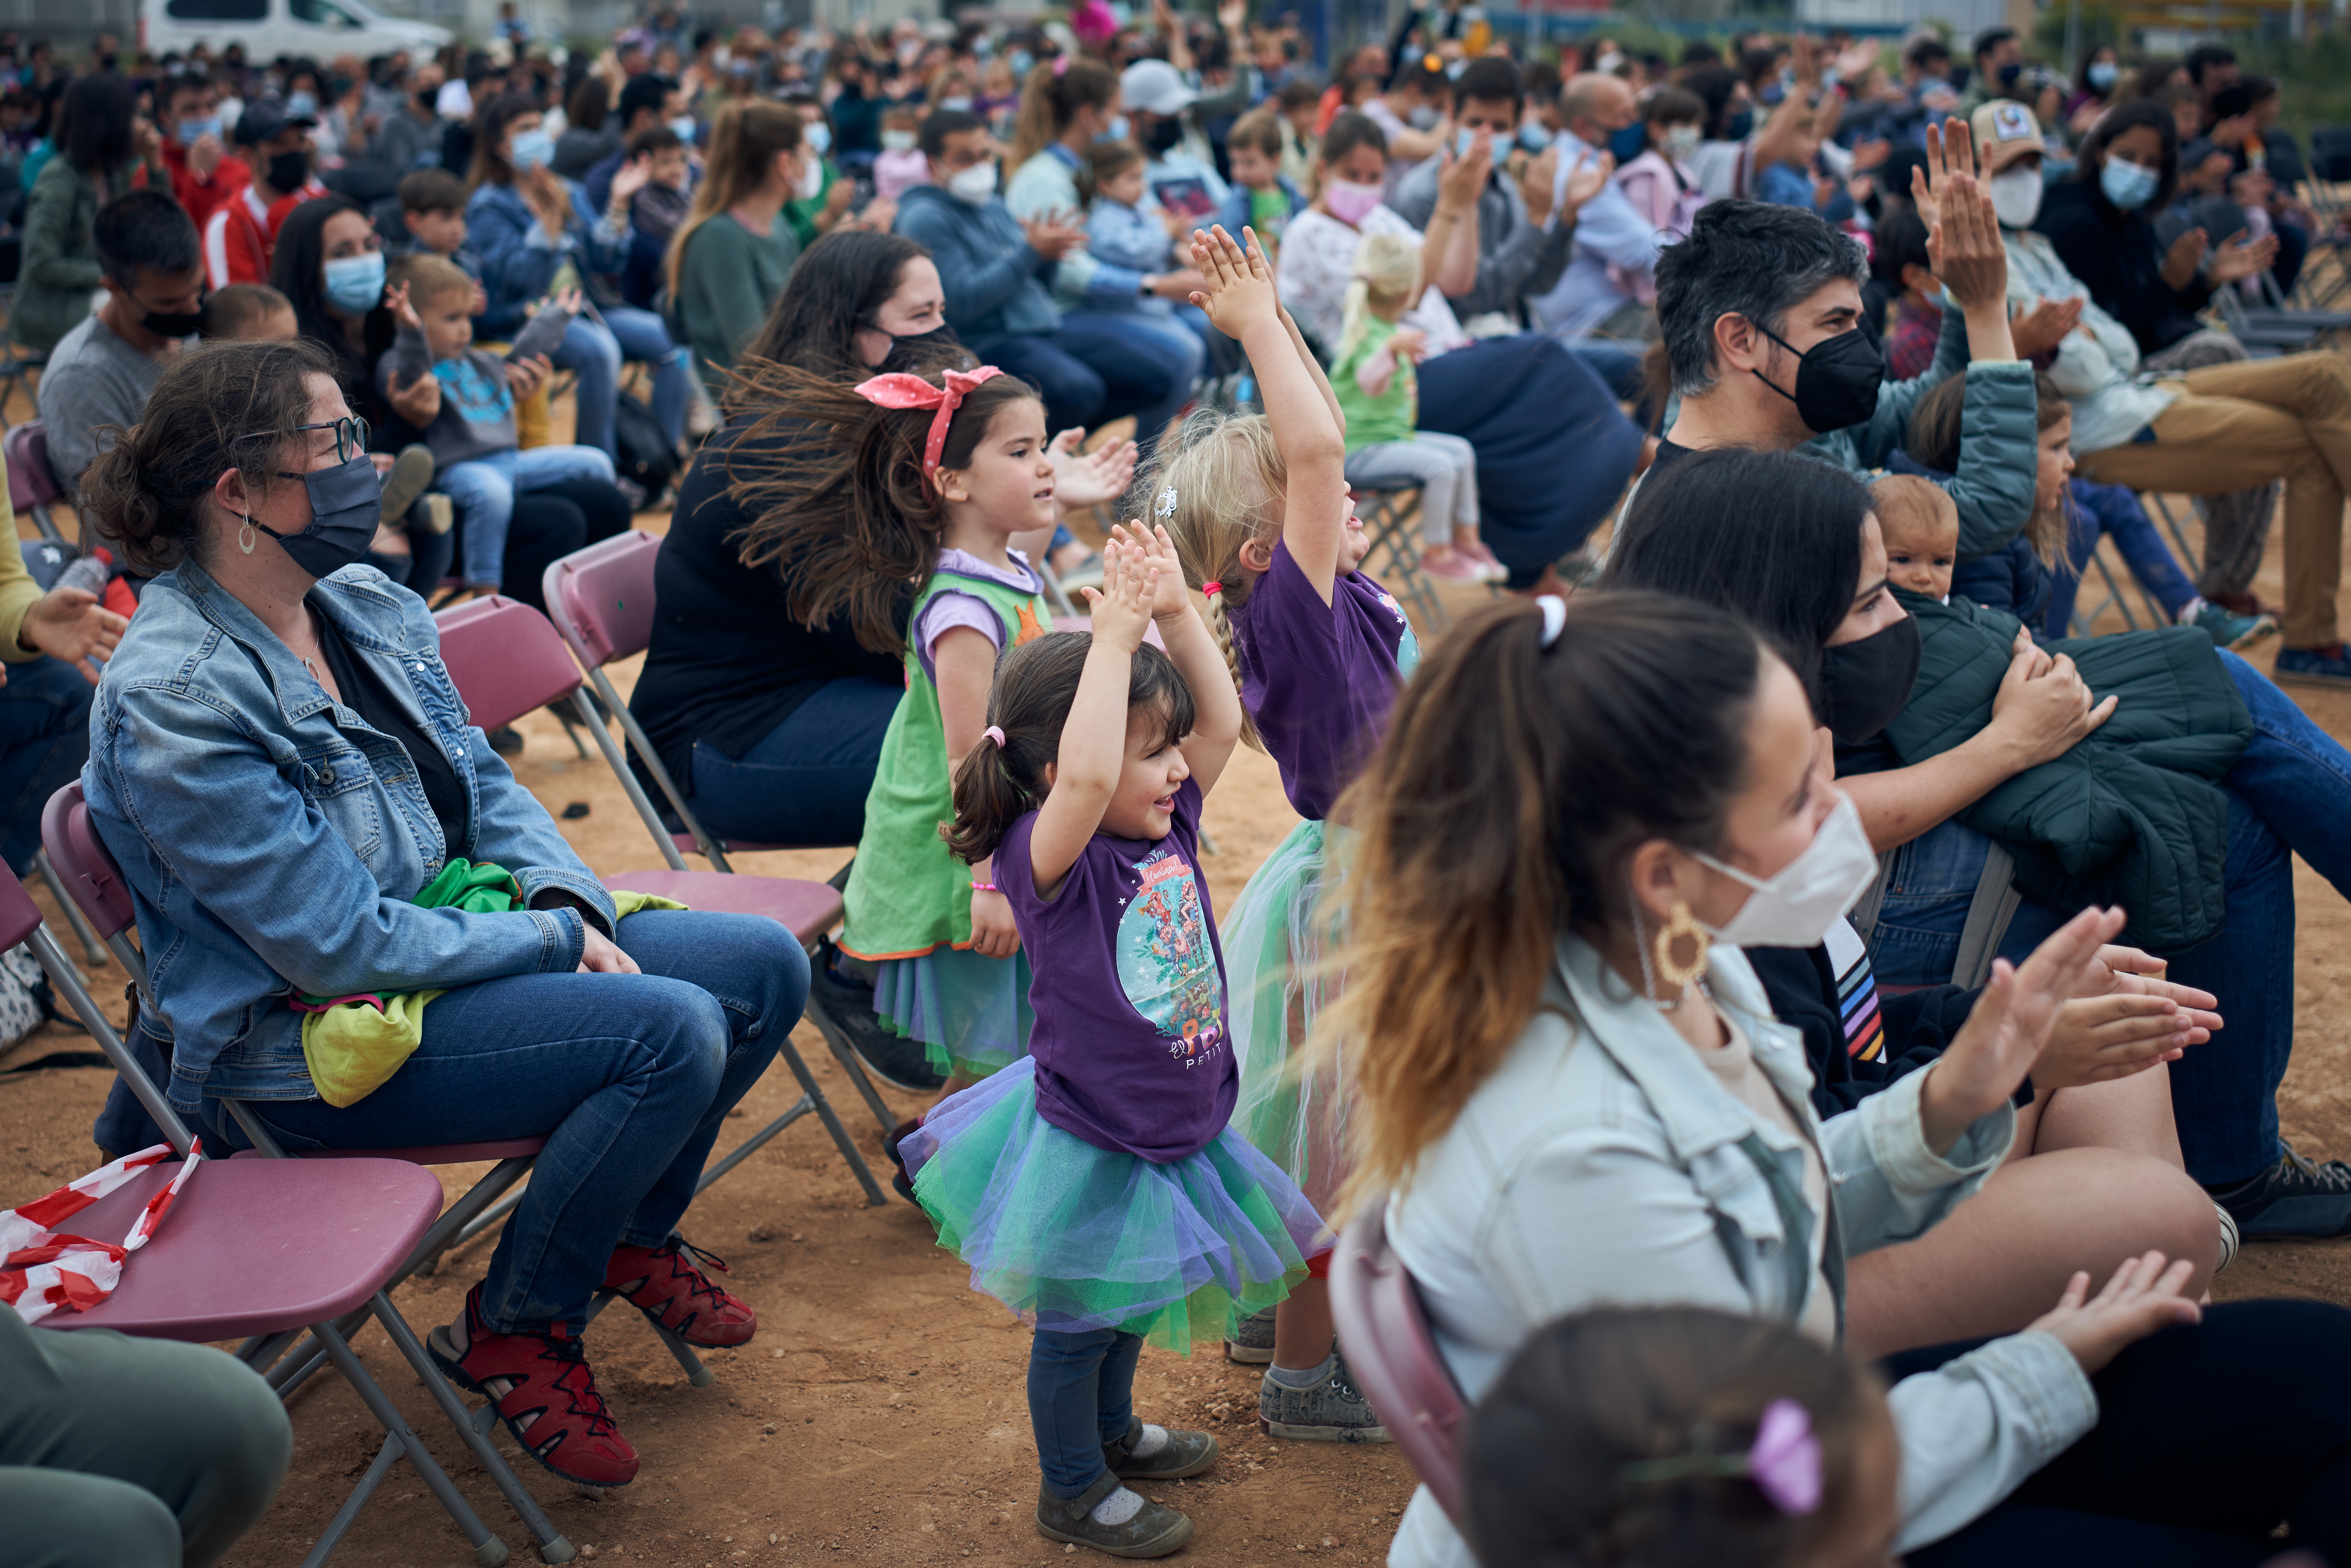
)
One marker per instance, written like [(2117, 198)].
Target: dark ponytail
[(996, 785)]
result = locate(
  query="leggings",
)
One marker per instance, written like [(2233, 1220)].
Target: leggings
[(2207, 1439), (1445, 466)]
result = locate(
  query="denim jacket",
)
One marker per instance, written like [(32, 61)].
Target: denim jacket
[(1603, 1163), (272, 839), (520, 258)]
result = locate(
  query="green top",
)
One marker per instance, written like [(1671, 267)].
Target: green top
[(725, 282), (60, 268), (907, 892), (1390, 416)]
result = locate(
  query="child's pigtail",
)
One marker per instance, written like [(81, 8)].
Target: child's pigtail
[(988, 801), (1358, 306), (1222, 630)]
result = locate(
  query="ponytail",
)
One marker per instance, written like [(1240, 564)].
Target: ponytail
[(1386, 269), (1056, 89)]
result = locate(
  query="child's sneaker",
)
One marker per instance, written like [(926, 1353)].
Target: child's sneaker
[(1452, 564), (1332, 1411), (668, 1286), (1251, 1345), (1156, 1454), (2228, 629), (1495, 571), (1113, 1520), (543, 1391), (2329, 666), (410, 472)]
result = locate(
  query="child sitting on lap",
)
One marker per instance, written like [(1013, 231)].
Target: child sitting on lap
[(1124, 227)]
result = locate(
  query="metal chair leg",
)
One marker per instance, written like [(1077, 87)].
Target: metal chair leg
[(488, 1550), (92, 949)]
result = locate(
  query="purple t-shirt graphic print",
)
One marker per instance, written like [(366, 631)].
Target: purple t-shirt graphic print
[(1129, 990)]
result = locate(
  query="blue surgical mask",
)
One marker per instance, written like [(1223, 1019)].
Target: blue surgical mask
[(191, 131), (818, 138), (1737, 127), (1022, 63), (302, 105), (1533, 137), (1463, 141), (682, 129), (2127, 184), (2100, 74), (1628, 144), (355, 283), (533, 150), (1120, 128)]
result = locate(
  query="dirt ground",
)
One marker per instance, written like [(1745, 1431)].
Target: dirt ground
[(879, 1412)]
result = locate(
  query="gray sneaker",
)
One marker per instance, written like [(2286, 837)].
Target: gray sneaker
[(1153, 1532), (1252, 1343), (1334, 1411)]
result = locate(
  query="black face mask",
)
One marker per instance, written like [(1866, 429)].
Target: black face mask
[(346, 502), (2010, 72), (1737, 127), (1161, 139), (173, 323), (1866, 683), (1836, 379), (914, 353), (288, 170)]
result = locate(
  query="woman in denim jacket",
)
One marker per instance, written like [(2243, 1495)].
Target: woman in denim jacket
[(1577, 1101), (280, 763)]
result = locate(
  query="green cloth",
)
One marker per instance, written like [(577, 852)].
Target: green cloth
[(354, 1044), (907, 892), (1389, 416), (2132, 815), (725, 280), (59, 270)]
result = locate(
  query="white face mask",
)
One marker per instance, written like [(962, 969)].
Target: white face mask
[(1680, 141), (1796, 908), (2015, 195), (812, 181), (974, 184)]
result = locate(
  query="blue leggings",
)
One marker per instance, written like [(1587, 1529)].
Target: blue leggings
[(1080, 1396), (2114, 510)]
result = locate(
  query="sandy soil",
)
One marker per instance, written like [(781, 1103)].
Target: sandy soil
[(879, 1412)]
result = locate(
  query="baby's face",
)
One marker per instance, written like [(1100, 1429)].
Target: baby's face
[(1919, 558)]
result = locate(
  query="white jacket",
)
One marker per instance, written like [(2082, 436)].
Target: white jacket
[(2096, 362), (1602, 1164)]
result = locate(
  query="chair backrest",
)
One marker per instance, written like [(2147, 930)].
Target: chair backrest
[(1394, 1358), (84, 865), (601, 598), (18, 913), (30, 483), (505, 659)]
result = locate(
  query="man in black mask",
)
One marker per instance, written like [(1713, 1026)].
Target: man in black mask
[(1761, 311)]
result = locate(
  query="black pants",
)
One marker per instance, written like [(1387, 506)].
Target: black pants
[(2207, 1439)]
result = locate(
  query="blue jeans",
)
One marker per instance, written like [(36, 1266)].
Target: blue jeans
[(595, 353), (805, 781), (2114, 510), (44, 741), (629, 1078), (1080, 1396), (484, 491), (1102, 367)]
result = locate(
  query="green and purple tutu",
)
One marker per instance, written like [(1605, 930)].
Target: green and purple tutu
[(970, 1011), (1076, 1237)]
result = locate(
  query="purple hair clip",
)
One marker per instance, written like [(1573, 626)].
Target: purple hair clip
[(1784, 1464)]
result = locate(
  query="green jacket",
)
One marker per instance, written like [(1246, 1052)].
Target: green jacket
[(59, 270), (2133, 815)]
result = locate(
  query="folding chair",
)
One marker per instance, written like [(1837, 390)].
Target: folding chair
[(1394, 1358), (1389, 510), (2084, 620), (602, 601), (32, 486), (506, 661), (244, 1255)]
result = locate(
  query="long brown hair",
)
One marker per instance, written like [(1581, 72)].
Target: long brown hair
[(490, 122), (1514, 782), (744, 143), (837, 500), (1055, 90), (1934, 439)]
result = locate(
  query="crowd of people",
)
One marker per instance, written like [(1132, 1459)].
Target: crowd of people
[(1811, 1026)]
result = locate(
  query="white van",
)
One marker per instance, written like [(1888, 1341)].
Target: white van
[(305, 29)]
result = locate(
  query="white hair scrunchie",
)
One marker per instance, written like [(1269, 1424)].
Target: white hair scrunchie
[(1554, 613)]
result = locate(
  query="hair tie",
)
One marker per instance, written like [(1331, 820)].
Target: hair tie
[(1784, 1464), (899, 390), (1060, 65), (1210, 590), (1554, 614), (994, 734)]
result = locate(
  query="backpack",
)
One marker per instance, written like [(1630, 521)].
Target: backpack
[(643, 452)]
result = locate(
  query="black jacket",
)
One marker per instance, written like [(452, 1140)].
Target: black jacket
[(2119, 260)]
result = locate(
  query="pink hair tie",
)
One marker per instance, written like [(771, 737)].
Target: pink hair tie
[(899, 390), (1210, 590), (1783, 1464), (996, 735)]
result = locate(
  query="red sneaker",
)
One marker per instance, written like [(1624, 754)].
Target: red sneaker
[(543, 1392), (669, 1287)]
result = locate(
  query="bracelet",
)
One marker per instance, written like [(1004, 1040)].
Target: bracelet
[(986, 887)]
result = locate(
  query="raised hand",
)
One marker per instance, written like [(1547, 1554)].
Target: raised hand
[(395, 299), (1171, 600), (1459, 180), (2143, 1296), (1585, 181), (1239, 293), (2238, 257), (631, 177), (1122, 607), (1963, 242), (1082, 479)]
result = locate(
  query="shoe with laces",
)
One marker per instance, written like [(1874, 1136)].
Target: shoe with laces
[(1251, 1345), (2295, 1197), (1334, 1411), (666, 1284), (542, 1390), (2328, 665), (2229, 630), (1130, 1525)]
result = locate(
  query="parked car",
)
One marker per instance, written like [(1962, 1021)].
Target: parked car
[(306, 29)]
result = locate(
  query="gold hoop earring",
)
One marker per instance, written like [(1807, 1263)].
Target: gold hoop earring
[(245, 536), (1681, 926)]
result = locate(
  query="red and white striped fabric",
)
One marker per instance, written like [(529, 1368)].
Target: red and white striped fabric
[(43, 1268)]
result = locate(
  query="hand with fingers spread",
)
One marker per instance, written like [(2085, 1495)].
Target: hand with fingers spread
[(1082, 479), (2044, 708), (2143, 1297), (1963, 244), (1171, 599), (1122, 607), (2044, 327), (1948, 151), (1238, 296), (1585, 181), (2240, 257)]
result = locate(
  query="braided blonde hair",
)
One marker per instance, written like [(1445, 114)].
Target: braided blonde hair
[(1216, 483)]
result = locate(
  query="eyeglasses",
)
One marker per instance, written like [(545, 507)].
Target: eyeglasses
[(350, 435)]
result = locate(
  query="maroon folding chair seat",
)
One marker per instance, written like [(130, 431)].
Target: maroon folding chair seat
[(1392, 1355), (32, 485)]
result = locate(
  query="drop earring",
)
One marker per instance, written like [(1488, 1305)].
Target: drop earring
[(1682, 926), (245, 536)]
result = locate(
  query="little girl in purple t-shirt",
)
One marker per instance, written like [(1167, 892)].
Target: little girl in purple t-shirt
[(1261, 515), (1094, 1185)]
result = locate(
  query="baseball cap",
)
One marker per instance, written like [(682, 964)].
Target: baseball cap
[(262, 121), (1155, 87), (2005, 130)]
